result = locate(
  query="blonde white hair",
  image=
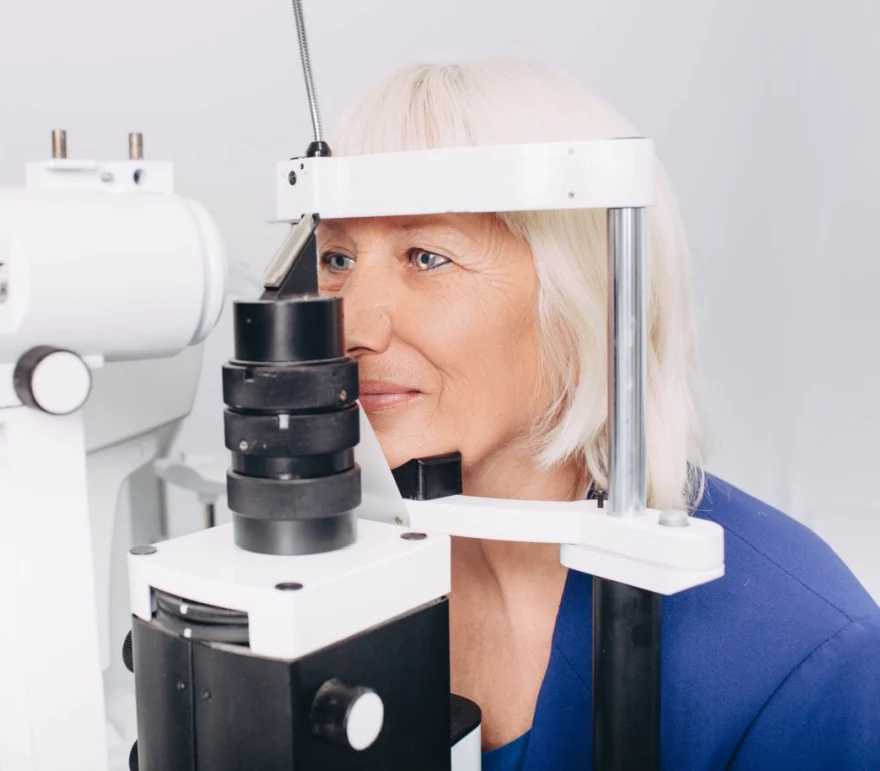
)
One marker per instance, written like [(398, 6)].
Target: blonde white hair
[(505, 102)]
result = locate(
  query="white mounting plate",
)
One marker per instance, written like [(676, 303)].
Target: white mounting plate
[(344, 592), (603, 174), (67, 174), (638, 550)]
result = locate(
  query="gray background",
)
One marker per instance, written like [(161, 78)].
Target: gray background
[(765, 113)]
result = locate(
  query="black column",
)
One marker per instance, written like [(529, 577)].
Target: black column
[(626, 677)]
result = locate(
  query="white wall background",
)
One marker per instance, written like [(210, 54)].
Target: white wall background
[(765, 113)]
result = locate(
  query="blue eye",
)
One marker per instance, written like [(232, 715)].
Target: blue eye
[(425, 260), (336, 262)]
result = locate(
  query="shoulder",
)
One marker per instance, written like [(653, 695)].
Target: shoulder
[(788, 558), (786, 621)]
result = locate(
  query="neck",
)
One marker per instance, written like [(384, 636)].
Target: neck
[(512, 566), (516, 474)]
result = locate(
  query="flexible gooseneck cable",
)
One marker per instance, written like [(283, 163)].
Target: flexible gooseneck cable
[(307, 71)]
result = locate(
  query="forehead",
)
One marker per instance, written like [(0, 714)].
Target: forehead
[(457, 226)]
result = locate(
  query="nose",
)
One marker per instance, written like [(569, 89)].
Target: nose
[(367, 310)]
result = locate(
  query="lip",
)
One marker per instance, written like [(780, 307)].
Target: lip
[(376, 395)]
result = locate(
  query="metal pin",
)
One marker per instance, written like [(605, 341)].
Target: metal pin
[(136, 146), (210, 515), (59, 143)]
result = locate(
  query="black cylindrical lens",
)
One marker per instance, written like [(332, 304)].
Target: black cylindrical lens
[(291, 424)]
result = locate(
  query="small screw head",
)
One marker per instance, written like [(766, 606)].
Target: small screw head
[(398, 520), (571, 195), (181, 686), (414, 536), (206, 696), (289, 586), (674, 518), (242, 445), (140, 551), (291, 178), (343, 395), (106, 177)]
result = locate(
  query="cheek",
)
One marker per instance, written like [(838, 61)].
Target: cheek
[(480, 338)]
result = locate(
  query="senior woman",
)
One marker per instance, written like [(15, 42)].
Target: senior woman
[(487, 334)]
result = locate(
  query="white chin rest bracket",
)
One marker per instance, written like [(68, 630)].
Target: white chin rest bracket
[(664, 552)]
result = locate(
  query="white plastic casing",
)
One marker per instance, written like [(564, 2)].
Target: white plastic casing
[(602, 174), (90, 273), (638, 550), (344, 592)]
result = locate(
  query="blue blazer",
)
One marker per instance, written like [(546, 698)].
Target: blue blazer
[(775, 666)]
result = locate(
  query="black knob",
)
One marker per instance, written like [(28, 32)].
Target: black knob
[(52, 380), (128, 653), (348, 715), (133, 763)]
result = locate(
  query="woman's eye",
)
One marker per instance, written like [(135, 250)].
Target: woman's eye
[(424, 260), (337, 263)]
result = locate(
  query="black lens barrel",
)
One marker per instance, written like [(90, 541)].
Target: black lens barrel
[(291, 425)]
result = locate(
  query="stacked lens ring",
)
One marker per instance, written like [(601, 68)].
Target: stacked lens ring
[(291, 424)]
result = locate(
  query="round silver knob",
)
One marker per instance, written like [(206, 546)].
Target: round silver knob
[(348, 715), (52, 380)]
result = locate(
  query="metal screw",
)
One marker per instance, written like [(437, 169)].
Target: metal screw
[(571, 195), (59, 143), (343, 395), (136, 146), (414, 536), (674, 518), (106, 177), (291, 178), (206, 696), (242, 445), (398, 520), (289, 586), (181, 686), (140, 551)]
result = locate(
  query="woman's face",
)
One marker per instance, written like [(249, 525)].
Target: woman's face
[(440, 313)]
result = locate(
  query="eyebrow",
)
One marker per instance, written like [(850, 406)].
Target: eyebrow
[(410, 225), (423, 223)]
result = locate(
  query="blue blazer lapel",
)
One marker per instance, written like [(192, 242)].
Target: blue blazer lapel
[(561, 736)]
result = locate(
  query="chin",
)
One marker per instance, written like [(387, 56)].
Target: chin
[(397, 453), (400, 448)]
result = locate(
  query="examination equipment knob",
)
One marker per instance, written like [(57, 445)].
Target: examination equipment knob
[(53, 380), (348, 715)]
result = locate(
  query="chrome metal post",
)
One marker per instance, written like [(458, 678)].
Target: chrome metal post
[(628, 469), (626, 619)]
